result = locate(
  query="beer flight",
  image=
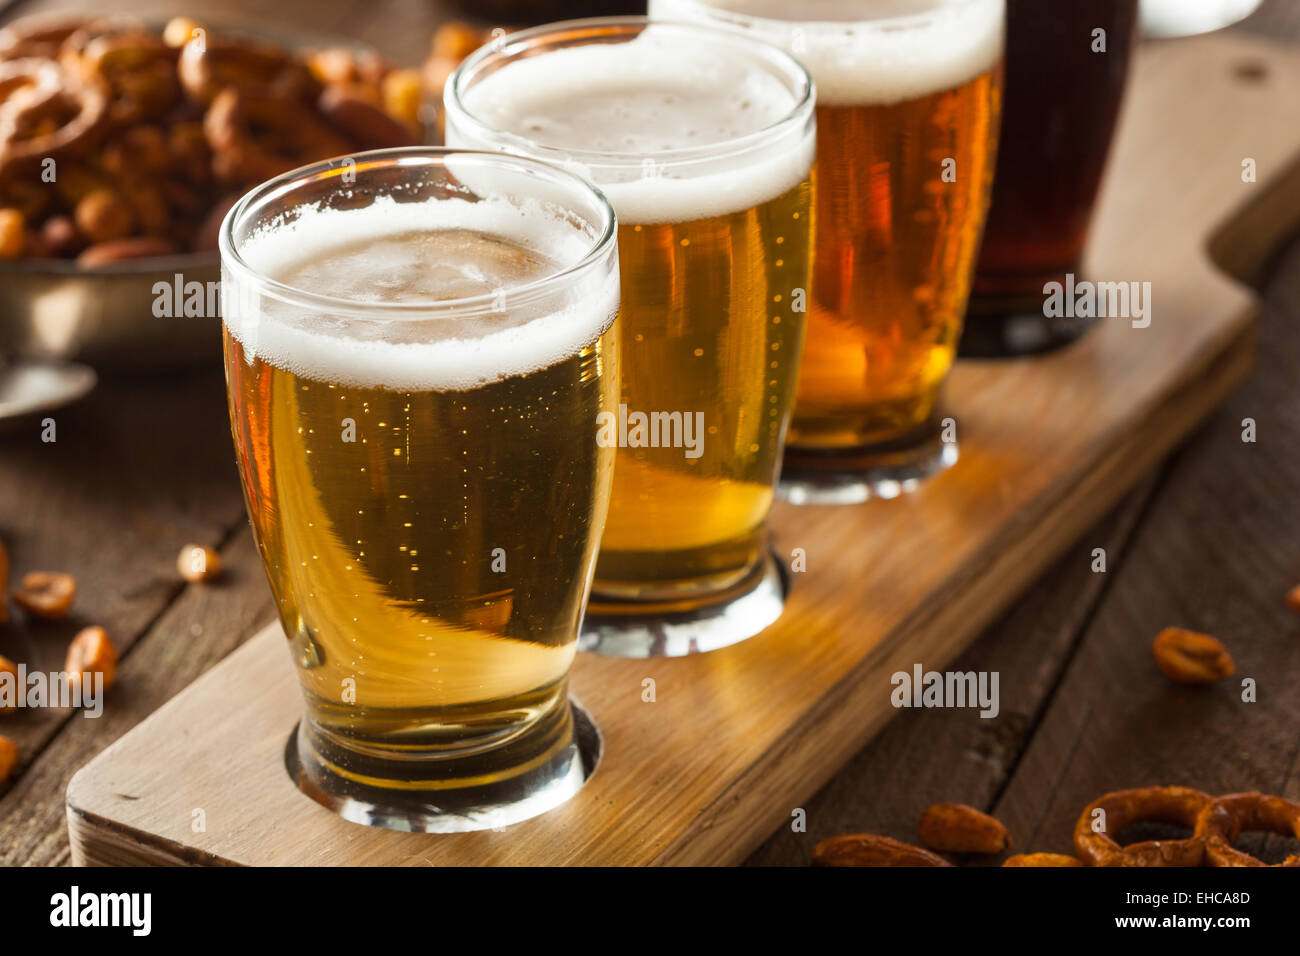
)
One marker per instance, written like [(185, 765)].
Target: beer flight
[(715, 214)]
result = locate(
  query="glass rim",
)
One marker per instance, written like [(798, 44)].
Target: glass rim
[(900, 21), (587, 28), (605, 243)]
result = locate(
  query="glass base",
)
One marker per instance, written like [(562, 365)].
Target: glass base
[(650, 629), (850, 478), (450, 794), (1017, 332)]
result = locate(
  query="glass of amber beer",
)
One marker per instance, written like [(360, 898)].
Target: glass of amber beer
[(418, 345), (908, 93), (703, 141)]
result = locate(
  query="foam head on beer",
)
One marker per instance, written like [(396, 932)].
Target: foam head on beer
[(412, 254), (651, 120), (881, 52)]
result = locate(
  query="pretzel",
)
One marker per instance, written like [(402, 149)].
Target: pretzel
[(237, 125), (1226, 818), (869, 849), (1181, 805), (45, 112), (209, 66), (140, 71), (38, 36)]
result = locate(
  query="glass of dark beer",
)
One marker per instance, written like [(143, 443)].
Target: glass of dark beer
[(1061, 101)]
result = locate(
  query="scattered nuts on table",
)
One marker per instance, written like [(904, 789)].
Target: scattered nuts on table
[(958, 828), (46, 594), (198, 563), (91, 651), (1186, 657)]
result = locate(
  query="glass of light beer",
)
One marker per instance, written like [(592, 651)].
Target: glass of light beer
[(703, 141), (418, 346), (908, 93)]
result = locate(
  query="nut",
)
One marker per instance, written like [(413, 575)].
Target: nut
[(102, 215), (180, 30), (868, 849), (401, 95), (46, 594), (8, 667), (198, 563), (456, 40), (12, 233), (1042, 859), (8, 757), (1293, 599), (1186, 657), (958, 828), (91, 651)]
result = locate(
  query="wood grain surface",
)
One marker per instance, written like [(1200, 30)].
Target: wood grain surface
[(1208, 542)]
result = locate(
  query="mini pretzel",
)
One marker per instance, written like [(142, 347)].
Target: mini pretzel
[(1226, 818), (38, 36), (44, 111), (139, 69), (1180, 805), (237, 126), (207, 66)]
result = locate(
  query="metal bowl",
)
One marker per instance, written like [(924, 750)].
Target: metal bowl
[(112, 317)]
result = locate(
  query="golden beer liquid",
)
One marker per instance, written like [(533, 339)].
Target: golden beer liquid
[(413, 566), (895, 249), (705, 149), (707, 326)]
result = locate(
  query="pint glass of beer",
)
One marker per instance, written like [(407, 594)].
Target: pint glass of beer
[(908, 93), (419, 344), (1067, 65), (703, 141)]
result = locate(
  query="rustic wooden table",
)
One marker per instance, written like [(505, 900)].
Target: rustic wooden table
[(1211, 541)]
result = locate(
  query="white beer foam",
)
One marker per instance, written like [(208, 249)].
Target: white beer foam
[(640, 100), (862, 54), (406, 352)]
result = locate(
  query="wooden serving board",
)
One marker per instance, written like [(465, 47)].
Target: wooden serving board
[(736, 739)]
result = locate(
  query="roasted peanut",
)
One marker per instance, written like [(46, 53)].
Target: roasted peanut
[(91, 651), (8, 757), (869, 849), (13, 233), (1186, 657), (8, 667), (1042, 859), (456, 40), (179, 31), (198, 563), (401, 95), (46, 594), (102, 215), (958, 828), (364, 122)]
